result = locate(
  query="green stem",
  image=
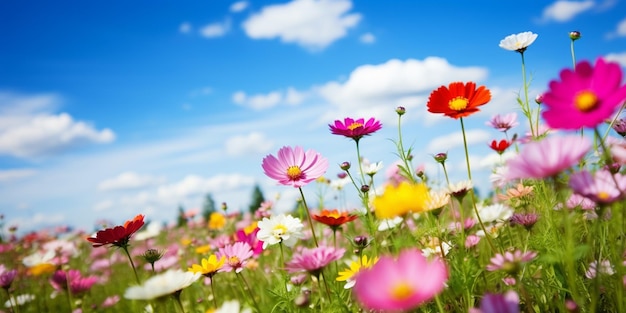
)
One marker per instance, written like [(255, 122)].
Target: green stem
[(132, 264), (469, 176), (526, 108), (402, 153), (256, 305), (14, 307), (176, 296), (282, 263), (308, 215), (614, 120), (213, 291)]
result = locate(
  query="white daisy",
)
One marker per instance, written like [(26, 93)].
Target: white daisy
[(518, 42), (232, 306), (279, 228), (162, 285), (495, 213)]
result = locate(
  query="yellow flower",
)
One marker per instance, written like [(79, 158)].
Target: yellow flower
[(208, 267), (355, 267), (204, 249), (401, 199), (40, 269), (217, 221), (250, 228), (185, 241)]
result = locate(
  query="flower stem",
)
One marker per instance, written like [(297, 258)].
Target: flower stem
[(14, 307), (176, 296), (469, 176), (256, 305), (132, 264), (308, 215), (526, 106), (282, 263), (213, 292)]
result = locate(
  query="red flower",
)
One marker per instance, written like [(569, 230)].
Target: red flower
[(118, 235), (500, 146), (355, 129), (458, 99), (333, 218)]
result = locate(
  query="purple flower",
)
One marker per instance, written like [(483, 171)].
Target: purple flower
[(6, 276), (548, 157), (293, 166), (503, 122), (313, 260), (599, 187), (498, 303), (77, 283), (510, 262)]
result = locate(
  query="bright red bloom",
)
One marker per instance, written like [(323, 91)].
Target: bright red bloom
[(355, 129), (500, 146), (118, 235), (458, 99), (333, 218)]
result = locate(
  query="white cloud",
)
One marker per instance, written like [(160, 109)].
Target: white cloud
[(367, 38), (563, 10), (252, 143), (373, 89), (28, 128), (45, 134), (15, 174), (103, 205), (269, 100), (129, 180), (313, 24), (185, 28), (215, 29), (194, 185), (453, 140), (617, 57), (621, 28), (239, 6)]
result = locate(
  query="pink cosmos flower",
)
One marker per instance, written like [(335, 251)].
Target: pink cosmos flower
[(77, 283), (547, 157), (402, 283), (503, 122), (355, 129), (510, 262), (251, 239), (577, 201), (599, 187), (313, 260), (498, 303), (295, 167), (237, 256), (584, 97), (6, 276)]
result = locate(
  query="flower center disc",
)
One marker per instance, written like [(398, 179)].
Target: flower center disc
[(401, 291), (279, 230), (458, 103), (294, 172), (354, 126), (586, 101)]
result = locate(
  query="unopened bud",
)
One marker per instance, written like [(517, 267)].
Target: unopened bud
[(345, 166), (574, 35), (400, 110)]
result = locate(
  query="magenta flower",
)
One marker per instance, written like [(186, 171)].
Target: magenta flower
[(313, 260), (237, 256), (6, 277), (355, 129), (510, 262), (584, 97), (402, 283), (295, 167), (599, 187), (77, 283), (503, 122), (548, 157), (250, 239), (498, 303)]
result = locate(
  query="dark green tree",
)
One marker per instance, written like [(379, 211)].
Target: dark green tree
[(181, 220), (257, 199), (208, 206)]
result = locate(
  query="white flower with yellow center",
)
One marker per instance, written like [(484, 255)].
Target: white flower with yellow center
[(282, 228), (518, 42), (161, 285)]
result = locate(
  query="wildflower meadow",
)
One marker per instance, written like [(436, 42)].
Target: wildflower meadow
[(547, 237)]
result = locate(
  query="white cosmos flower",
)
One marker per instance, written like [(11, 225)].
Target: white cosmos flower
[(279, 228), (232, 306), (372, 168), (19, 300), (162, 285), (39, 258), (495, 213), (389, 223), (518, 42)]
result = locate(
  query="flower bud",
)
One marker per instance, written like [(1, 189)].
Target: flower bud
[(360, 241), (441, 157), (345, 166), (539, 98), (400, 110), (574, 35), (365, 188)]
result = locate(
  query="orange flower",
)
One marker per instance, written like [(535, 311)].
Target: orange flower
[(333, 218), (458, 99), (118, 235)]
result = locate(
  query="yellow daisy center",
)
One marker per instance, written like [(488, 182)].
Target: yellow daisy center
[(401, 291), (233, 261), (294, 172), (586, 101), (603, 195), (458, 103), (354, 126), (279, 230)]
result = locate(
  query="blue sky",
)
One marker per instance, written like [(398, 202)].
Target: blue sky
[(110, 109)]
